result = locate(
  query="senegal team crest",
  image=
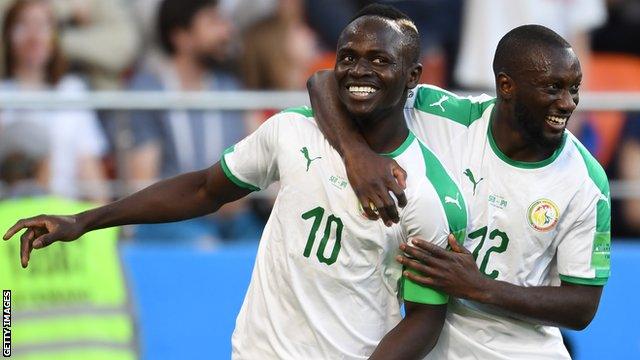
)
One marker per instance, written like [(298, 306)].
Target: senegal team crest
[(543, 215)]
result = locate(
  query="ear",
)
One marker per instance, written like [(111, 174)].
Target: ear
[(414, 75), (505, 86)]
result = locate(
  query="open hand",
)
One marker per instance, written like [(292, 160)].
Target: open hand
[(454, 272), (42, 231)]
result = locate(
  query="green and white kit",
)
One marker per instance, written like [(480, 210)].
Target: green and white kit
[(325, 284), (530, 224)]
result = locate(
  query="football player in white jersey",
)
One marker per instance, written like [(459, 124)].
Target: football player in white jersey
[(539, 231), (325, 284)]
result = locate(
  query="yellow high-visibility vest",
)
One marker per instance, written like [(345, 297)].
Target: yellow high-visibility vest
[(72, 300)]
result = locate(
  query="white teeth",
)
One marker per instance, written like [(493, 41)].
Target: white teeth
[(556, 120), (362, 90)]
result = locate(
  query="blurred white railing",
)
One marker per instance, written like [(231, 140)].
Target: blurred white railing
[(256, 100), (232, 100)]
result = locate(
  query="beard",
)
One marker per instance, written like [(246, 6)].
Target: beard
[(531, 128)]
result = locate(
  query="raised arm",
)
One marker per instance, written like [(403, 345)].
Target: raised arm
[(415, 335), (182, 197), (456, 273), (372, 176)]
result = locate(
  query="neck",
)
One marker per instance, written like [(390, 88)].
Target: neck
[(189, 71), (30, 76), (386, 132), (510, 139)]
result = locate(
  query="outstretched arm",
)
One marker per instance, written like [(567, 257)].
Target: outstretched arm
[(372, 176), (182, 197), (456, 273), (415, 335)]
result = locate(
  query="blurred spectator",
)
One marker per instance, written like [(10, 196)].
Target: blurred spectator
[(71, 302), (279, 50), (98, 37), (485, 22), (439, 23), (194, 37), (615, 66), (34, 62)]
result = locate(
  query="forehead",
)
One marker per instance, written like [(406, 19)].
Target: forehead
[(371, 32), (559, 63)]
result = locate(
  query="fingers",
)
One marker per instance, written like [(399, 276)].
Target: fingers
[(25, 247), (455, 246), (389, 214), (433, 250), (366, 205), (400, 175), (43, 241), (14, 229), (412, 264), (419, 279)]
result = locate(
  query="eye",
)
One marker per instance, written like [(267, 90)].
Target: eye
[(379, 61), (575, 88), (347, 58)]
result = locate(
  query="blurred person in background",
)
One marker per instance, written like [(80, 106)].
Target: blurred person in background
[(279, 50), (615, 66), (74, 303), (279, 53), (98, 37), (34, 62), (194, 37), (485, 22)]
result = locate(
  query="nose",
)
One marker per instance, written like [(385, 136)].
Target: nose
[(567, 102), (361, 68)]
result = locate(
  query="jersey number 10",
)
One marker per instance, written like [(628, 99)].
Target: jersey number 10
[(317, 214)]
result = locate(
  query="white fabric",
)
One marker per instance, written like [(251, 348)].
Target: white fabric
[(74, 135), (486, 22), (298, 307)]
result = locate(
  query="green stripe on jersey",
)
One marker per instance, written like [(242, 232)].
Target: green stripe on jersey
[(234, 179), (302, 110), (456, 213), (449, 105), (601, 253), (405, 144)]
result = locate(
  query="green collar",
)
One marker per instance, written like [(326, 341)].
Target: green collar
[(405, 144), (522, 164)]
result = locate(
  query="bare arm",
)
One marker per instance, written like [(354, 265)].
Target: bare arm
[(372, 176), (182, 197), (456, 273), (415, 335)]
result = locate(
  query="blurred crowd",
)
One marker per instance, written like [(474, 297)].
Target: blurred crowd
[(74, 46)]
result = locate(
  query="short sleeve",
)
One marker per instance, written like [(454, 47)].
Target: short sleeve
[(583, 254), (423, 218), (252, 163)]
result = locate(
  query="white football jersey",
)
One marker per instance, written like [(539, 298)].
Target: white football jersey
[(325, 284), (530, 223)]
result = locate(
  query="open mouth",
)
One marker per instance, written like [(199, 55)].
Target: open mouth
[(362, 91), (557, 121)]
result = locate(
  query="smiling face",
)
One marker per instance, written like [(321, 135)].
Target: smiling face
[(546, 94), (372, 68)]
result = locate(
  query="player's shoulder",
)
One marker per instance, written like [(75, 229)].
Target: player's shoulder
[(290, 124), (582, 158), (432, 100)]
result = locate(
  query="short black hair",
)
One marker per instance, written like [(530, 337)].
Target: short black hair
[(516, 47), (409, 29), (177, 14)]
